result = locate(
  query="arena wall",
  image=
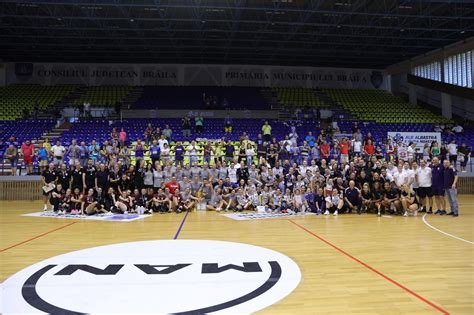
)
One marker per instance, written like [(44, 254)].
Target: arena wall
[(237, 114), (193, 75)]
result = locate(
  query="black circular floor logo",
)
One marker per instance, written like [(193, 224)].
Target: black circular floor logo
[(169, 276)]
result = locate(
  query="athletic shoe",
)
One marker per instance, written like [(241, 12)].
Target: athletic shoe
[(392, 208), (455, 215), (378, 213), (443, 212), (450, 213), (318, 212), (415, 213), (218, 209), (326, 212), (423, 209), (335, 213), (126, 212), (429, 211), (45, 208), (405, 214), (437, 212)]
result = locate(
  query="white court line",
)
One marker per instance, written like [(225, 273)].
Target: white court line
[(456, 237)]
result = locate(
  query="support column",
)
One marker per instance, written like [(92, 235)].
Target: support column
[(412, 98), (446, 105), (388, 83)]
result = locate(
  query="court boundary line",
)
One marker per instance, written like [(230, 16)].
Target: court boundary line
[(37, 236), (445, 233), (181, 225), (398, 284)]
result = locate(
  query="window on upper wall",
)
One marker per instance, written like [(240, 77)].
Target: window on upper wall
[(430, 71), (458, 69)]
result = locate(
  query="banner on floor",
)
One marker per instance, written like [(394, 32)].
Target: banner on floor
[(241, 216), (105, 217), (419, 138)]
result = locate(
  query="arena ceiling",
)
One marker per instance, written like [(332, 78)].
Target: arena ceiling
[(337, 33)]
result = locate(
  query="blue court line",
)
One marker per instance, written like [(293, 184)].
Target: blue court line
[(181, 225)]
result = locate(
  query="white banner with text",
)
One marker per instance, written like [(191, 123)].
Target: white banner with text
[(420, 138)]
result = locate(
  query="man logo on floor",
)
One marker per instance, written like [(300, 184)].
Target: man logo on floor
[(175, 276)]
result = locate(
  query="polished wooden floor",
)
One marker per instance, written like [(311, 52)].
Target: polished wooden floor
[(350, 264)]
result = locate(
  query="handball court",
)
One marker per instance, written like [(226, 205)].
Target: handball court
[(350, 264)]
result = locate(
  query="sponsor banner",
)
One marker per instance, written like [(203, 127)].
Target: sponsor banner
[(156, 277), (96, 217), (420, 138), (241, 216), (192, 75)]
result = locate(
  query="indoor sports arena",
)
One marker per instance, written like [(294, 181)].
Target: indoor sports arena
[(236, 157)]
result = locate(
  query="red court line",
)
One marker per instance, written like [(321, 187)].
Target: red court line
[(373, 269), (38, 236)]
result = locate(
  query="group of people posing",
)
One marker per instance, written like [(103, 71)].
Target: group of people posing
[(259, 176)]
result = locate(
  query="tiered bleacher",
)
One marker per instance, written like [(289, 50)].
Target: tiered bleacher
[(197, 97), (297, 97), (382, 107), (15, 99), (104, 95)]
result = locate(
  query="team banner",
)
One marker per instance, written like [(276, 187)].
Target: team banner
[(192, 75), (243, 216), (420, 138), (97, 217)]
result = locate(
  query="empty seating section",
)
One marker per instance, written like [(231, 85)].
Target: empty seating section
[(14, 99), (194, 97), (297, 97), (381, 106), (105, 95)]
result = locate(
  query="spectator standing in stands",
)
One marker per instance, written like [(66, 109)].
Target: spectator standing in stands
[(435, 149), (453, 153), (167, 133), (229, 152), (186, 127), (156, 135), (147, 134), (43, 159), (192, 152), (11, 153), (122, 137), (227, 125), (93, 150), (450, 178), (114, 136), (58, 152), (267, 132), (28, 153), (325, 149), (458, 129), (199, 123), (179, 154), (310, 139), (293, 136), (154, 152), (47, 145), (464, 152), (73, 153), (344, 150)]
